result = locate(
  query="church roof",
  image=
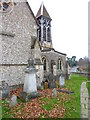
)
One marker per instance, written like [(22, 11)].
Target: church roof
[(31, 12), (43, 12), (48, 50)]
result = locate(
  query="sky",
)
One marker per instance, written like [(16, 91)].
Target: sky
[(69, 25)]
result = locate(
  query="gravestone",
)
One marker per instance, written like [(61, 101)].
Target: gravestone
[(13, 101), (4, 90), (61, 81), (54, 94), (30, 78), (84, 100), (51, 83), (30, 86), (38, 82)]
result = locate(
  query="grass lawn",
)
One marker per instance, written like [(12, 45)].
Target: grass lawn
[(74, 84), (62, 106)]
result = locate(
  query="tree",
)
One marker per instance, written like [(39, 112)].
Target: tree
[(69, 61), (84, 63), (72, 61)]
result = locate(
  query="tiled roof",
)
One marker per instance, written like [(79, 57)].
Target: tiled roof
[(42, 11), (48, 50)]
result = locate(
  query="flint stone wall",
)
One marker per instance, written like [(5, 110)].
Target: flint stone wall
[(16, 30), (84, 100)]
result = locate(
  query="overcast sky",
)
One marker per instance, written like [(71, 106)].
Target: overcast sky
[(69, 25)]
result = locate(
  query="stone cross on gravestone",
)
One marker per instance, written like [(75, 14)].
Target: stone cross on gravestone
[(30, 87), (30, 63), (30, 78)]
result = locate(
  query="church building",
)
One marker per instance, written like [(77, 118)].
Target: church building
[(24, 36), (53, 61)]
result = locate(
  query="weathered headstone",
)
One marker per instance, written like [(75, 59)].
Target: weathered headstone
[(54, 94), (13, 101), (4, 90), (30, 78), (51, 83), (38, 82), (61, 81), (30, 86), (84, 100)]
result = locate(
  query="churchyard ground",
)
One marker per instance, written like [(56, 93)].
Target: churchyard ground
[(62, 106)]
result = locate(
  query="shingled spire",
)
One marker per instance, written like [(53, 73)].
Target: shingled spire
[(43, 12)]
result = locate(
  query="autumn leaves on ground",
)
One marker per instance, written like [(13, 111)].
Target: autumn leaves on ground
[(46, 106)]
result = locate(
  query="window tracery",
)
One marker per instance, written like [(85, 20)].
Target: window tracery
[(59, 64), (5, 5)]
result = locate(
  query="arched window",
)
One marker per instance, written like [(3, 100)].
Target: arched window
[(44, 63), (48, 35), (44, 33), (59, 64), (39, 34)]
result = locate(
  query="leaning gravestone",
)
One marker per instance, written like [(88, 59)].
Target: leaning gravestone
[(30, 86), (51, 83), (13, 101), (61, 81)]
